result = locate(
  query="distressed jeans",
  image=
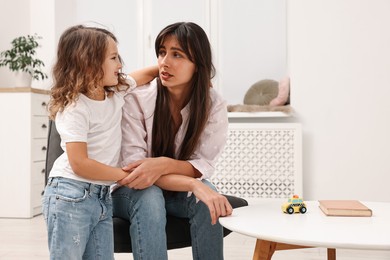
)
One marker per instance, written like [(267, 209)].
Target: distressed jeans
[(147, 209), (78, 216)]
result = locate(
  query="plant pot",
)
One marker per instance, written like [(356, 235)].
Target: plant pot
[(22, 79)]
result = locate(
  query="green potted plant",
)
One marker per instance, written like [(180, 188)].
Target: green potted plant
[(22, 57)]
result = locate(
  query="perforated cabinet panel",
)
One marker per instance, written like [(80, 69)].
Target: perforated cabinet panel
[(261, 161)]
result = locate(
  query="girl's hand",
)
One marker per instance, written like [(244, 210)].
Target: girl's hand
[(218, 204)]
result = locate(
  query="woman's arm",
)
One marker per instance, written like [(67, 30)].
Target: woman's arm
[(213, 138), (89, 168), (144, 75), (218, 204), (201, 164), (146, 172)]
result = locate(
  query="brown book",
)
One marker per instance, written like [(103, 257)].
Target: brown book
[(347, 208)]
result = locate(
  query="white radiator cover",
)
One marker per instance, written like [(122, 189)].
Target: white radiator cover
[(261, 160)]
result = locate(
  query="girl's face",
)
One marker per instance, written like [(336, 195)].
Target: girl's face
[(111, 64), (176, 70)]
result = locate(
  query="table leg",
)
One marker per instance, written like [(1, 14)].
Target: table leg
[(264, 250), (331, 254)]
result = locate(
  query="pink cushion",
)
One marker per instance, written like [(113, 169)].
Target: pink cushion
[(283, 94)]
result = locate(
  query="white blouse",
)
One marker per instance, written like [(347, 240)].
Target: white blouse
[(137, 124)]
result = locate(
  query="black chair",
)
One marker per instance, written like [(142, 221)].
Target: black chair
[(177, 229)]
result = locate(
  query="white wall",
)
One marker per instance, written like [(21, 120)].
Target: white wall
[(22, 17), (42, 22), (339, 61), (251, 45), (9, 29), (121, 17)]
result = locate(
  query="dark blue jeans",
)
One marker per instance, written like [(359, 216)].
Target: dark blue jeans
[(147, 209)]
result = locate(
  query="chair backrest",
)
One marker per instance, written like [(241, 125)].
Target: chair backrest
[(54, 149)]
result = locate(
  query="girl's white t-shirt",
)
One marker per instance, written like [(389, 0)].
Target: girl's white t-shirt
[(97, 123)]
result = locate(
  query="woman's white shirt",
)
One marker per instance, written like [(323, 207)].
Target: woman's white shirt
[(137, 126)]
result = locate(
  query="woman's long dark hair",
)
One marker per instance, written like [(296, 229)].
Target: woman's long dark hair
[(194, 42)]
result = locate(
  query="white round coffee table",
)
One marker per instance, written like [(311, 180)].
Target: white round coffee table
[(276, 230)]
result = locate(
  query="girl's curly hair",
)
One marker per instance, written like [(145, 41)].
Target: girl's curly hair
[(80, 54)]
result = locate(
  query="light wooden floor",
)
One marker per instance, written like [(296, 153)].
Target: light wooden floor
[(22, 239)]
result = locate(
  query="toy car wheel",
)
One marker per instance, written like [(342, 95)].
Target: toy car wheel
[(302, 209), (290, 210)]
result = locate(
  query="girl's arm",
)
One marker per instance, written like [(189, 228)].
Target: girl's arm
[(89, 168), (145, 75)]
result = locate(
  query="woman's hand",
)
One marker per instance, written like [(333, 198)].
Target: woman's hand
[(143, 173), (218, 204)]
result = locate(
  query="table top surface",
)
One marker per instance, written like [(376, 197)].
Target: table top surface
[(265, 220)]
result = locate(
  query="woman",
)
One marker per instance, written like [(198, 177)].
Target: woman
[(173, 131)]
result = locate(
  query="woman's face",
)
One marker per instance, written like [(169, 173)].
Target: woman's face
[(176, 70), (111, 64)]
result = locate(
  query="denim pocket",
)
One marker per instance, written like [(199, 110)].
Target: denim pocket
[(71, 191)]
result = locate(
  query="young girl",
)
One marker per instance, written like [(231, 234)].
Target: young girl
[(86, 103), (180, 121)]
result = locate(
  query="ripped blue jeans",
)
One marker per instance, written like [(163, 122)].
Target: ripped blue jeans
[(78, 216)]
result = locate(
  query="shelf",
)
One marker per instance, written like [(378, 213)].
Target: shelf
[(24, 90), (257, 114)]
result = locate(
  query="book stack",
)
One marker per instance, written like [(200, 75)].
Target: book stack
[(346, 208)]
